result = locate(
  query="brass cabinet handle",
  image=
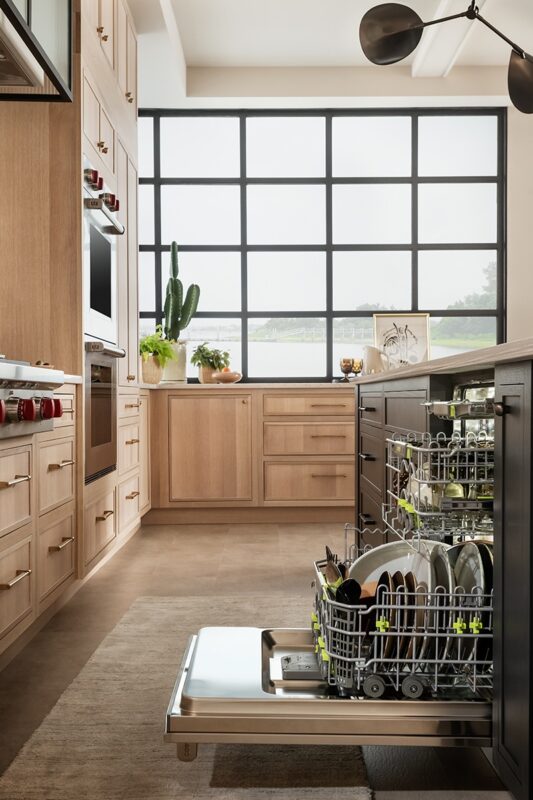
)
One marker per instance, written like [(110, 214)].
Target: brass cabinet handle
[(328, 405), (129, 97), (64, 463), (132, 495), (132, 441), (328, 436), (329, 475), (500, 409), (130, 377), (132, 405), (19, 576), (65, 541), (15, 481), (68, 411), (105, 150), (103, 36), (104, 516)]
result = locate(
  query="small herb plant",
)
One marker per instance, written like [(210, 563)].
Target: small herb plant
[(155, 345), (203, 356)]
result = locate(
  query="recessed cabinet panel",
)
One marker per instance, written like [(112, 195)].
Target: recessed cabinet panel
[(122, 264), (128, 447), (404, 411), (131, 93), (128, 502), (56, 550), (371, 458), (16, 583), (91, 114), (107, 140), (371, 408), (317, 481), (99, 525), (122, 37), (306, 405), (15, 488), (56, 471), (305, 438), (133, 302), (144, 478), (107, 30)]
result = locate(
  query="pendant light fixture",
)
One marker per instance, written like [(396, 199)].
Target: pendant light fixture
[(391, 31)]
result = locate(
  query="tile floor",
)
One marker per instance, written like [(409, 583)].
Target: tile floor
[(212, 560)]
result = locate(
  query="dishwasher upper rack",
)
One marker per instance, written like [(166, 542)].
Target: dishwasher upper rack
[(410, 641), (404, 521)]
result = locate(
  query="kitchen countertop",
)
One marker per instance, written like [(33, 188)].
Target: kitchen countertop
[(520, 350), (248, 386)]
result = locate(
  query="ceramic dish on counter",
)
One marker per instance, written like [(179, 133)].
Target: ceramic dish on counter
[(227, 377)]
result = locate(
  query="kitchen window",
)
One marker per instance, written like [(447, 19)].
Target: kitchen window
[(299, 225)]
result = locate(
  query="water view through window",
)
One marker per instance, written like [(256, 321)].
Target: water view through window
[(300, 225)]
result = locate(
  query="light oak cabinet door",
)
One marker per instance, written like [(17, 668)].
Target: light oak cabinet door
[(128, 503), (16, 580), (122, 263), (308, 438), (91, 114), (106, 30), (322, 481), (99, 526), (129, 440), (15, 488), (210, 448), (309, 404), (144, 478), (107, 141), (56, 474), (133, 300), (56, 550)]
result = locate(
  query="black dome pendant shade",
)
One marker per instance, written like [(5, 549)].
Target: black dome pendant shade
[(391, 31)]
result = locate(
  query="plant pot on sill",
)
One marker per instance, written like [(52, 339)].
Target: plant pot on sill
[(205, 374), (152, 370), (176, 370)]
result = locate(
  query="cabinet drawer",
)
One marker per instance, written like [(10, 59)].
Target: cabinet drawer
[(68, 401), (371, 459), (370, 516), (15, 488), (99, 525), (128, 447), (56, 473), (128, 405), (306, 405), (128, 502), (308, 438), (16, 582), (56, 550), (403, 411), (326, 480), (371, 408)]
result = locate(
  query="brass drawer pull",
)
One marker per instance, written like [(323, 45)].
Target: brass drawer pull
[(132, 495), (104, 516), (366, 457), (329, 475), (20, 575), (132, 441), (130, 377), (65, 463), (368, 409), (132, 405), (328, 436), (328, 405), (65, 541), (16, 480), (68, 411)]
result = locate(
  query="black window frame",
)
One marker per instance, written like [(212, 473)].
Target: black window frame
[(329, 314)]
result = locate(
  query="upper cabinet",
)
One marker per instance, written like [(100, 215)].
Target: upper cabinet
[(106, 29), (97, 126)]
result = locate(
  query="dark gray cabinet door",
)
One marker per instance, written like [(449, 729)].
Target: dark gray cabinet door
[(512, 580)]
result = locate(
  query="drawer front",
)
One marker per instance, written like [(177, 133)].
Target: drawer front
[(403, 411), (128, 405), (371, 459), (99, 525), (371, 408), (68, 401), (15, 488), (370, 517), (129, 453), (308, 438), (128, 502), (56, 472), (309, 481), (16, 583), (326, 404), (56, 550)]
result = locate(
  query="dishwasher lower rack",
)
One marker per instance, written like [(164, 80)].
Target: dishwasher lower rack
[(419, 643)]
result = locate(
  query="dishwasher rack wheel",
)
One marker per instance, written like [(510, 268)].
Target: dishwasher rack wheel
[(413, 687), (374, 686)]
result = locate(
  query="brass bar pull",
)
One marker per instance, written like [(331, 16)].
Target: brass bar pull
[(61, 465), (104, 516), (132, 441), (328, 405), (132, 495), (65, 541), (15, 481), (329, 475), (20, 575), (68, 411), (328, 436), (132, 405)]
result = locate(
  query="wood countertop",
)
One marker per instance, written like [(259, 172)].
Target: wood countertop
[(206, 387), (520, 350)]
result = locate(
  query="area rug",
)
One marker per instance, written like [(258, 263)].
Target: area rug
[(103, 740)]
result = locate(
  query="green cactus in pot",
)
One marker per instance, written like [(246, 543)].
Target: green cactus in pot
[(178, 312)]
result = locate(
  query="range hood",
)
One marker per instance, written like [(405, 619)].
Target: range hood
[(18, 67)]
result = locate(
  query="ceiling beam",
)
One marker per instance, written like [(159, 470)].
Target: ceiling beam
[(176, 46), (441, 45)]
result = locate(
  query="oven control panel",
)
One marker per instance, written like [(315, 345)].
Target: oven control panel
[(26, 411)]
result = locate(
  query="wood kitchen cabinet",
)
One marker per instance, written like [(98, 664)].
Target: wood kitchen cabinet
[(106, 30), (128, 326), (144, 478), (97, 126)]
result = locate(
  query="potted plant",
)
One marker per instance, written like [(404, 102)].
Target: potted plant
[(178, 314), (209, 361), (156, 352)]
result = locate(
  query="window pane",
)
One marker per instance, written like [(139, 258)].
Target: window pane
[(146, 282), (457, 212), (287, 348), (371, 280), (457, 279), (371, 146), (200, 215), (146, 326), (350, 335), (220, 334), (200, 147), (146, 215), (286, 281), (451, 335), (371, 214), (458, 145), (146, 147), (291, 147), (286, 215), (217, 274)]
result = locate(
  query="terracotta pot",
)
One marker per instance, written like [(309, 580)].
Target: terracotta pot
[(205, 374), (152, 370), (176, 369)]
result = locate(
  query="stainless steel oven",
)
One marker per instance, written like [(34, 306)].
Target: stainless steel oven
[(100, 408)]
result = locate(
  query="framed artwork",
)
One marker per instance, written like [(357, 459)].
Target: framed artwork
[(404, 338)]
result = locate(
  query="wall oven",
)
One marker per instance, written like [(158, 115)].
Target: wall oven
[(100, 408), (101, 227)]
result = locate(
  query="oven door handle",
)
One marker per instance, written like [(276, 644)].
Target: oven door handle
[(105, 349)]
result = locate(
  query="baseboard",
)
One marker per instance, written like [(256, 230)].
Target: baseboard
[(273, 515)]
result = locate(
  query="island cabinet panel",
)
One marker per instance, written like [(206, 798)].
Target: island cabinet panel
[(210, 441), (308, 438)]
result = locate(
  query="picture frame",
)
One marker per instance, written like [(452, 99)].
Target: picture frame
[(403, 338)]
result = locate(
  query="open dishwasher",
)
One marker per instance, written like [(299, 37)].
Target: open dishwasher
[(409, 660)]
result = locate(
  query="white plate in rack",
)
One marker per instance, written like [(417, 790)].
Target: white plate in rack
[(395, 556)]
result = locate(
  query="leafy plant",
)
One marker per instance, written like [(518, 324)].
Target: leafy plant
[(178, 314), (155, 345), (203, 356)]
